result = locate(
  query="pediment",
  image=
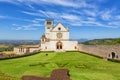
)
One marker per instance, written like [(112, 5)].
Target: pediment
[(59, 27)]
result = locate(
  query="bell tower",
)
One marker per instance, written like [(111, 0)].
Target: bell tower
[(48, 27)]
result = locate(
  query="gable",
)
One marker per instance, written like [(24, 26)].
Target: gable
[(59, 27)]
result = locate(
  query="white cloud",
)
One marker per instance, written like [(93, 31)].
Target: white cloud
[(37, 20), (91, 19), (26, 27), (14, 18), (77, 24), (70, 17), (30, 6), (114, 23), (91, 23), (117, 17), (90, 13), (100, 24), (31, 13), (42, 13), (106, 15), (70, 3), (61, 2), (54, 15), (10, 1), (84, 23), (78, 13), (36, 24), (67, 3)]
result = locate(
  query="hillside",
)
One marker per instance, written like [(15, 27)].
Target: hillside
[(81, 66), (110, 41)]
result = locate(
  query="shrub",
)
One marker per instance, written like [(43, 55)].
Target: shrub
[(17, 56), (114, 60), (61, 64), (40, 63)]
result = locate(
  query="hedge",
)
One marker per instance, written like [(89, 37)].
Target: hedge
[(18, 56), (91, 55), (114, 60)]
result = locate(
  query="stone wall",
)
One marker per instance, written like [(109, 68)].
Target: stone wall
[(24, 50), (19, 50), (105, 51)]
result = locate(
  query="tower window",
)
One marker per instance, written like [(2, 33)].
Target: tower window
[(59, 28), (49, 23)]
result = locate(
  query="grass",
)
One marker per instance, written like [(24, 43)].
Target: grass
[(81, 66), (6, 77)]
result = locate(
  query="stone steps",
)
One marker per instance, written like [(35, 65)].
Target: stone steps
[(59, 50)]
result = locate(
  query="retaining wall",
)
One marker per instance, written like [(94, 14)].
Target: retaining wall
[(105, 51)]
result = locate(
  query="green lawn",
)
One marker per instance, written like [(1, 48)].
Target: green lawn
[(81, 66)]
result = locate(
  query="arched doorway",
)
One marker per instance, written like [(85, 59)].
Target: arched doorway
[(59, 45), (113, 55)]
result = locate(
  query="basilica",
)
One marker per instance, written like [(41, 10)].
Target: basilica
[(55, 38)]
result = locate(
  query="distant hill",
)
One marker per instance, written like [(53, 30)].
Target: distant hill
[(19, 41), (80, 40), (108, 41)]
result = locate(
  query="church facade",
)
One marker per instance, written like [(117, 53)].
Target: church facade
[(56, 38)]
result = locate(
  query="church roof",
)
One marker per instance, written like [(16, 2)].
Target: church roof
[(59, 25)]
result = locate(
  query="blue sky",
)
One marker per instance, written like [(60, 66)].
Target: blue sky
[(89, 19)]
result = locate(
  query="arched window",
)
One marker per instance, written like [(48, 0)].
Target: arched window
[(113, 55)]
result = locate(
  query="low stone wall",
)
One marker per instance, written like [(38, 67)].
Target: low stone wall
[(105, 51)]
